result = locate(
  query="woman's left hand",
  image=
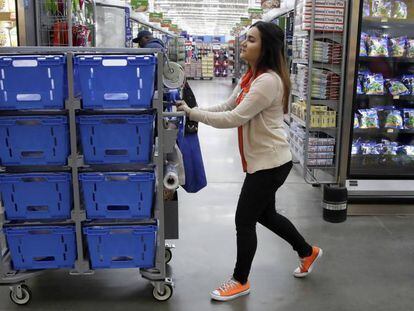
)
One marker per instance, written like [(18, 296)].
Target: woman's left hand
[(182, 106)]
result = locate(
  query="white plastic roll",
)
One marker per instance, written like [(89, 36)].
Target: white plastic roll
[(171, 181)]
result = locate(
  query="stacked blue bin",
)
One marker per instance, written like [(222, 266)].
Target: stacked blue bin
[(110, 84), (38, 140)]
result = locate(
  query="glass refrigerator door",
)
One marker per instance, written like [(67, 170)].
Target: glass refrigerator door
[(383, 108), (8, 24)]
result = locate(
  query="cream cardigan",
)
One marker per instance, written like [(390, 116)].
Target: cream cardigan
[(261, 116)]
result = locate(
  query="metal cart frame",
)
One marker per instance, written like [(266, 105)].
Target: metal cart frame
[(164, 144)]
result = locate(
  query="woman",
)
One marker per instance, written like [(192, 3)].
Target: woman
[(256, 107)]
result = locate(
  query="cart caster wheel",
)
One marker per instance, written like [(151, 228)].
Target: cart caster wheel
[(26, 296), (168, 255), (168, 292)]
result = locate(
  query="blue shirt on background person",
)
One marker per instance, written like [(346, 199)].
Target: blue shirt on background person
[(146, 40)]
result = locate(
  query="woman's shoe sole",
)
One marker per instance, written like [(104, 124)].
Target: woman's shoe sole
[(227, 298)]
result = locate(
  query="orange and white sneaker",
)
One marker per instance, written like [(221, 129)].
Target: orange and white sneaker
[(230, 289), (307, 263)]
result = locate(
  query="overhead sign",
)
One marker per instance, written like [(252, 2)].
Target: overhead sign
[(255, 13), (140, 5), (244, 21), (166, 23), (155, 17)]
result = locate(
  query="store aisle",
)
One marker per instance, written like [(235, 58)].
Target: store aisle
[(366, 266)]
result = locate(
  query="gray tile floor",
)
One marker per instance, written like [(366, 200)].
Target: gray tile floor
[(368, 261)]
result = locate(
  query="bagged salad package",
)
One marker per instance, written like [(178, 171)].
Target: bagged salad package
[(393, 119), (400, 10), (381, 8), (408, 118), (396, 87), (374, 84), (398, 46), (369, 118), (378, 46)]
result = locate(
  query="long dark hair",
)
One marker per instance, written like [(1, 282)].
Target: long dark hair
[(273, 55)]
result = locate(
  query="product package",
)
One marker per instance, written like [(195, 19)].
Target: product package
[(393, 119), (369, 148), (361, 82), (369, 118), (363, 51), (366, 10), (378, 46), (356, 122), (408, 118), (400, 10), (410, 48), (398, 46), (387, 147), (408, 81), (381, 8), (396, 87), (409, 150), (374, 84)]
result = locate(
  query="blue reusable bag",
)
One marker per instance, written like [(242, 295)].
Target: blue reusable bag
[(195, 176)]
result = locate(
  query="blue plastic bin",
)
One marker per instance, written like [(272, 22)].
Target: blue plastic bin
[(118, 195), (36, 195), (113, 139), (116, 81), (34, 140), (32, 82), (41, 247), (121, 246)]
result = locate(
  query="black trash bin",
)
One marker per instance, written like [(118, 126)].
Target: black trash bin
[(334, 203)]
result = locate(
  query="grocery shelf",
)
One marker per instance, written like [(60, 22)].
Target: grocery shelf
[(386, 23), (383, 59), (333, 104), (383, 131), (386, 96)]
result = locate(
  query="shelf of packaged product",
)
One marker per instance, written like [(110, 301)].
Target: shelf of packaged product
[(336, 37), (332, 104), (386, 23), (298, 155), (294, 93), (389, 166), (383, 59), (300, 61), (386, 96), (383, 132), (325, 66), (328, 130), (298, 120)]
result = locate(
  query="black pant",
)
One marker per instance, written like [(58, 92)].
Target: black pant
[(257, 204)]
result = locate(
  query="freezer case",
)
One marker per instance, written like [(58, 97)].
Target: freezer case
[(379, 133)]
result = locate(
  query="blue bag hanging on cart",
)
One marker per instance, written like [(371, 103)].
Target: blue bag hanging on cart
[(195, 176)]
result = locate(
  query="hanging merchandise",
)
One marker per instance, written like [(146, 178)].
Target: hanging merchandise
[(54, 21)]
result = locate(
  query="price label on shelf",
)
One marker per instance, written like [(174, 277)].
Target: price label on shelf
[(384, 20), (390, 131), (397, 97)]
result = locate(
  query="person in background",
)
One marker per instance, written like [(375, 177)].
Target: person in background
[(256, 108), (145, 39)]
